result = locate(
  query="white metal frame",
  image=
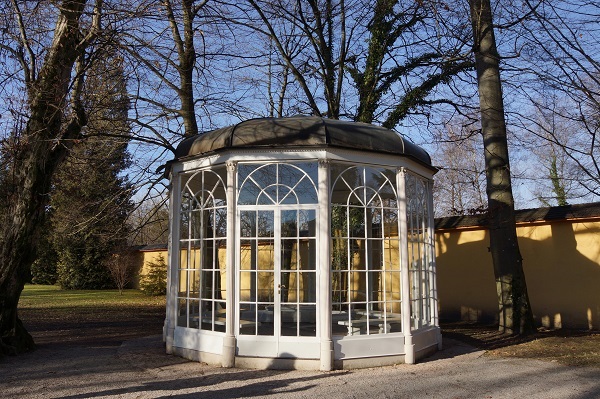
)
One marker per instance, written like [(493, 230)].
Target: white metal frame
[(276, 345), (328, 349)]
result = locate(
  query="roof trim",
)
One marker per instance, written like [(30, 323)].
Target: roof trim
[(524, 216)]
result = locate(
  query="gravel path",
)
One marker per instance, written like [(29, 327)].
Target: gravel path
[(139, 368)]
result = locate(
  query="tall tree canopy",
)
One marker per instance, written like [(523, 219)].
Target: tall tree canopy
[(90, 200)]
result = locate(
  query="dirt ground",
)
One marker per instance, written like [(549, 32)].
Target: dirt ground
[(105, 353)]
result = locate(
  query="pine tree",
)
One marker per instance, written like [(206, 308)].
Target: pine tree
[(91, 199)]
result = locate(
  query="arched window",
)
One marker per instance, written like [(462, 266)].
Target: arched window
[(420, 251), (365, 261), (277, 205), (203, 232)]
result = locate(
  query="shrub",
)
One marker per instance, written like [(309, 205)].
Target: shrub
[(154, 282)]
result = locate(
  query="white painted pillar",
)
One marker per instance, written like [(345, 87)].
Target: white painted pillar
[(324, 267), (409, 348), (172, 261), (229, 342)]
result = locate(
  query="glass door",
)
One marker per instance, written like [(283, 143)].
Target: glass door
[(277, 275)]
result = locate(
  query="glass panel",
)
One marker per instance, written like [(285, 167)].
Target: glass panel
[(307, 287), (247, 286), (220, 222), (308, 254), (376, 287), (356, 197), (207, 315), (194, 312), (375, 253), (289, 320), (249, 193), (339, 286), (184, 226), (248, 322), (339, 259), (287, 289), (266, 224), (353, 176), (207, 284), (182, 283), (196, 225), (286, 195), (311, 169), (268, 196), (339, 221), (306, 192), (194, 279), (181, 313), (357, 286), (357, 222), (307, 223), (357, 249), (248, 224), (289, 225), (247, 254), (290, 175), (220, 254), (266, 255), (195, 256), (266, 320), (308, 320), (265, 175), (288, 254), (266, 287)]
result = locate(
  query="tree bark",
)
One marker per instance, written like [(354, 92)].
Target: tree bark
[(42, 147), (515, 315)]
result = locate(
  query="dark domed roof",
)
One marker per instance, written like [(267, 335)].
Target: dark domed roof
[(301, 132)]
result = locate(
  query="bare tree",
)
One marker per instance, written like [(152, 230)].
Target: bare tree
[(460, 183), (515, 313), (556, 179), (51, 74), (559, 59), (366, 61), (121, 267)]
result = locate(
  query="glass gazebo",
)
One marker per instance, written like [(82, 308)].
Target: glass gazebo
[(301, 242)]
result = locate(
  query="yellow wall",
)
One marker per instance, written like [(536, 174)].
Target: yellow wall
[(562, 269)]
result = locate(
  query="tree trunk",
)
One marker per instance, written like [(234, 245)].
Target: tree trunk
[(515, 315), (42, 147)]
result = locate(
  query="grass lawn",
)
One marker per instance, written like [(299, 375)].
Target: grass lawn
[(52, 297), (101, 317)]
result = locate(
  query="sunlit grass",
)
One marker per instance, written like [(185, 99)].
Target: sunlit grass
[(52, 297)]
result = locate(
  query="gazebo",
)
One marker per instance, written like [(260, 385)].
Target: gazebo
[(301, 242)]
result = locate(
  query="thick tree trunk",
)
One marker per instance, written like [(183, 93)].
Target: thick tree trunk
[(41, 149), (515, 315)]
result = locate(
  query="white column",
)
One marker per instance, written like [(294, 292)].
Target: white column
[(324, 268), (409, 348), (229, 343), (173, 261)]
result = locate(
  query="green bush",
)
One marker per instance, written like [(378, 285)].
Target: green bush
[(154, 282)]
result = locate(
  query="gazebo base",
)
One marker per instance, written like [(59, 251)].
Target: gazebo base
[(426, 343)]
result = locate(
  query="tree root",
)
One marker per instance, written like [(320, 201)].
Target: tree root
[(20, 341)]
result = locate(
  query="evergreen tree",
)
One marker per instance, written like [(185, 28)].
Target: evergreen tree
[(91, 199)]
